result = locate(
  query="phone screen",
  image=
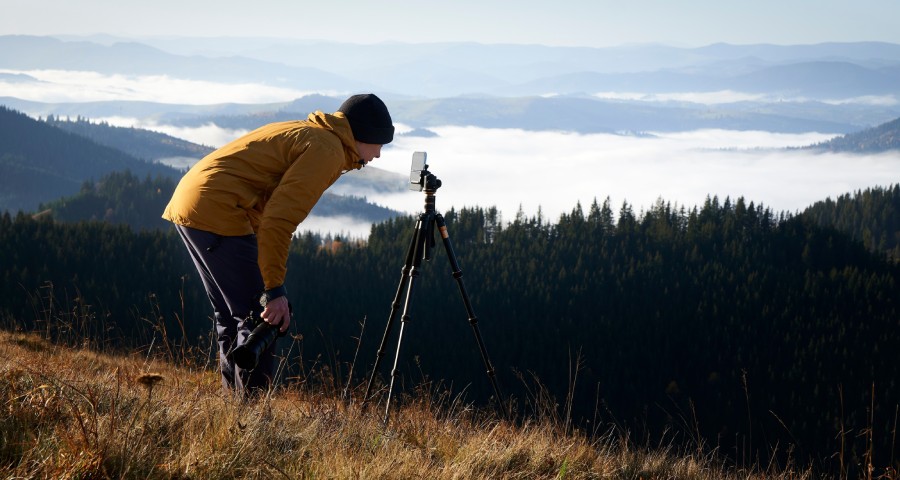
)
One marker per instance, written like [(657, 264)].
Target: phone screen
[(416, 182)]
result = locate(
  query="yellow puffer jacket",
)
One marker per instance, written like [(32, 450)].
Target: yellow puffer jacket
[(266, 182)]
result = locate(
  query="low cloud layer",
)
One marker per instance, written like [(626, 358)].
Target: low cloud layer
[(82, 86), (550, 171), (209, 134), (554, 171), (78, 86), (730, 96), (709, 98)]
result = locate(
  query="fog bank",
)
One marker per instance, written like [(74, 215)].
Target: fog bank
[(553, 171)]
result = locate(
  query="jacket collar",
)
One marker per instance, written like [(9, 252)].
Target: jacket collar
[(338, 124)]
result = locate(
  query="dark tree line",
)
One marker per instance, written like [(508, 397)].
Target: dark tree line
[(870, 216), (724, 322), (119, 198), (882, 138)]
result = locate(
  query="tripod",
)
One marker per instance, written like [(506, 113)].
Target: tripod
[(420, 248)]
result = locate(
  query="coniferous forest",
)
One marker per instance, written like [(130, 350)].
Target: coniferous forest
[(760, 334)]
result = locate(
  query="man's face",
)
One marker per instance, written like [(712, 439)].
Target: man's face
[(368, 151)]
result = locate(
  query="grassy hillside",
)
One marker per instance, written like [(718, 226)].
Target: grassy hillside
[(673, 326), (82, 413)]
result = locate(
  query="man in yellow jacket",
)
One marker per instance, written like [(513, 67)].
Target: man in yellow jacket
[(237, 208)]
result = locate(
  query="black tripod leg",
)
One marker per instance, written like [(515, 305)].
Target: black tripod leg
[(473, 320), (404, 319), (419, 253), (395, 305)]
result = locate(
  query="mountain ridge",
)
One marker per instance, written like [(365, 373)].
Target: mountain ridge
[(576, 113), (830, 88), (23, 52), (882, 138), (140, 143), (430, 70), (40, 162)]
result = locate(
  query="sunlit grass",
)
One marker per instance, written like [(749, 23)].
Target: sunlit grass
[(76, 413)]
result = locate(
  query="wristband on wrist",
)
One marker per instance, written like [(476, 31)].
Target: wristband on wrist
[(272, 294)]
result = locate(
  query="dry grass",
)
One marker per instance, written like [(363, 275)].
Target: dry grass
[(73, 413)]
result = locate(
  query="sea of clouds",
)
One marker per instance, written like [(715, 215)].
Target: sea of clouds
[(515, 170), (552, 172)]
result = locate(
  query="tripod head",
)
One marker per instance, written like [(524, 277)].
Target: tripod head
[(432, 183)]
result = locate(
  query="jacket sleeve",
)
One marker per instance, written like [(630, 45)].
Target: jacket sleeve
[(314, 170)]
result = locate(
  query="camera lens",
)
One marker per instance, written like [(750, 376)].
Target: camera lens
[(246, 356)]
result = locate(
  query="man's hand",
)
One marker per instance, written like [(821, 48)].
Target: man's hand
[(278, 313)]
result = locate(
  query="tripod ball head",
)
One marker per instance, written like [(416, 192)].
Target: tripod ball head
[(432, 183)]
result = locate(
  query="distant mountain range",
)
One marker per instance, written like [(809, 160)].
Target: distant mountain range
[(583, 114), (437, 70), (131, 58), (830, 87)]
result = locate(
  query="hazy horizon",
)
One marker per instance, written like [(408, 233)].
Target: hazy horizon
[(575, 23), (73, 86)]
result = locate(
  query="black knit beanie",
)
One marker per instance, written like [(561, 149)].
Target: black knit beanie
[(369, 119)]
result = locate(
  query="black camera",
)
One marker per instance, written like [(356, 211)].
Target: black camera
[(247, 355), (264, 334)]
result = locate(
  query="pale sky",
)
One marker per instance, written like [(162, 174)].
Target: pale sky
[(592, 23)]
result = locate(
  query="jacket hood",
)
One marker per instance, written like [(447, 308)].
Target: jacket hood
[(338, 124)]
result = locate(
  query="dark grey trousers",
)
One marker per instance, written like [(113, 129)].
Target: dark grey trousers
[(229, 270)]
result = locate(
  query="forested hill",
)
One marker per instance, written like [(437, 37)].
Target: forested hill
[(41, 163), (870, 216), (871, 140), (140, 143), (116, 198), (124, 198), (727, 324)]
